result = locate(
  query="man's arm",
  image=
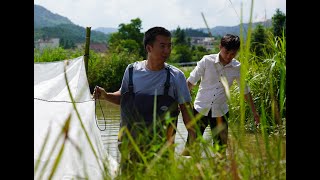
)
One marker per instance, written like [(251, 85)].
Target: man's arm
[(190, 86), (186, 112), (250, 101), (100, 93)]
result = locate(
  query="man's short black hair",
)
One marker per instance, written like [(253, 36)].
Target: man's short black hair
[(150, 35), (230, 42)]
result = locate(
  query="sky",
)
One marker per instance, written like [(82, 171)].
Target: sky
[(166, 13)]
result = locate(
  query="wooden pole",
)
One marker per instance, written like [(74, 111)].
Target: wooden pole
[(86, 50)]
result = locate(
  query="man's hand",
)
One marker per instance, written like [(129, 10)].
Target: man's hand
[(99, 93), (256, 118)]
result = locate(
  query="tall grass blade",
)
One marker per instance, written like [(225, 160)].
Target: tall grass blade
[(65, 131), (42, 150)]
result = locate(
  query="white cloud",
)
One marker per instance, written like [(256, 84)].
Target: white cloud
[(166, 13)]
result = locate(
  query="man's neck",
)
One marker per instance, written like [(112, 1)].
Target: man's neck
[(222, 60), (153, 65)]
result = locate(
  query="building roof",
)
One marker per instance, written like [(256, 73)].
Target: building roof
[(99, 47)]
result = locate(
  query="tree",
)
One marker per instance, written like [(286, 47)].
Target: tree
[(179, 37), (181, 53), (279, 23), (198, 52), (61, 42), (258, 40), (128, 45), (129, 31)]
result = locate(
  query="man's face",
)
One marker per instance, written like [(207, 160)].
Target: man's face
[(227, 56), (161, 48)]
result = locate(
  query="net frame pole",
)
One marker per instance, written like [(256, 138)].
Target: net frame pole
[(86, 49)]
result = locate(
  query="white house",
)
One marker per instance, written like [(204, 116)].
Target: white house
[(47, 43), (206, 42)]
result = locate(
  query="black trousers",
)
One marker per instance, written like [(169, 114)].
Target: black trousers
[(219, 133)]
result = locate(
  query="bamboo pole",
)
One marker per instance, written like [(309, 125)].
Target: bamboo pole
[(86, 50)]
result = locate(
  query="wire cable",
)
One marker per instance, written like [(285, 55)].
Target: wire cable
[(95, 110), (105, 122)]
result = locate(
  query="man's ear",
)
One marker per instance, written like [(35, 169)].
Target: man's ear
[(148, 47)]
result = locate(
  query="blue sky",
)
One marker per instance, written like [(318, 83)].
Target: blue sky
[(167, 13)]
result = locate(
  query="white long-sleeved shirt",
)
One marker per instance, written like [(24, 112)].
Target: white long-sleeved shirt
[(212, 92)]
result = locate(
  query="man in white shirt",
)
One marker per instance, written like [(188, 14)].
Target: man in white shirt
[(217, 73)]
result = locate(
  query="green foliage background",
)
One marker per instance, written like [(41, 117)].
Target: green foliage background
[(266, 62), (265, 72)]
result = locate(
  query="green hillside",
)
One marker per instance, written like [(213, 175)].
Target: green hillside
[(50, 25), (69, 32), (45, 18)]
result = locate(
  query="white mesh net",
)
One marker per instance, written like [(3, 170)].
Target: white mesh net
[(80, 157)]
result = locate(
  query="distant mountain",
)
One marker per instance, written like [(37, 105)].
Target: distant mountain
[(106, 30), (222, 30), (50, 25), (45, 18)]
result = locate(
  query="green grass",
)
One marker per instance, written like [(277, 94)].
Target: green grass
[(264, 157)]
